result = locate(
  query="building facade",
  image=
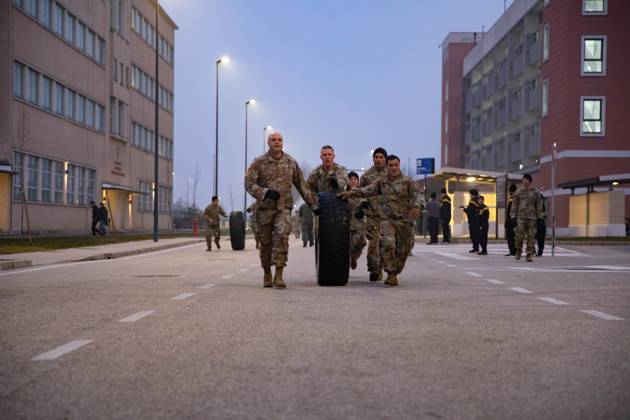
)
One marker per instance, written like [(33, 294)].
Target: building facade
[(547, 72), (77, 113)]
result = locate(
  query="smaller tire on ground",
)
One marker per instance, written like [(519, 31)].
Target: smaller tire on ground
[(237, 230)]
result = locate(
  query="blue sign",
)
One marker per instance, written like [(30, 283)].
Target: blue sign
[(425, 166)]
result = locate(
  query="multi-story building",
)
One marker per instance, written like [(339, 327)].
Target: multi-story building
[(547, 72), (77, 113)]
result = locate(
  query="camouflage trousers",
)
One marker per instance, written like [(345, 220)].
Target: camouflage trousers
[(525, 230), (273, 228), (212, 231), (396, 240), (372, 233), (357, 243)]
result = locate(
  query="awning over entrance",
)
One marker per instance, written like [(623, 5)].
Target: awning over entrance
[(463, 174), (118, 187), (5, 167), (598, 181)]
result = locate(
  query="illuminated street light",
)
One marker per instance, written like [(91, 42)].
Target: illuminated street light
[(222, 60)]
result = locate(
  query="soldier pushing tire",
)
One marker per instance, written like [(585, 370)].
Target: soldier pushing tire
[(332, 241)]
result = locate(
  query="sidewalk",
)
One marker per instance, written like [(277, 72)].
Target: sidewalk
[(27, 259)]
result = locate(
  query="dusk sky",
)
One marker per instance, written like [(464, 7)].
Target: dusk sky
[(355, 74)]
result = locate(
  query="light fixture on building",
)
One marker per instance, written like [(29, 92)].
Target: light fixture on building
[(471, 179), (520, 166), (615, 183)]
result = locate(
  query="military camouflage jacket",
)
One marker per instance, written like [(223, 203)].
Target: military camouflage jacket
[(526, 205), (267, 173), (319, 180), (306, 215), (211, 214), (354, 203), (398, 196), (370, 177)]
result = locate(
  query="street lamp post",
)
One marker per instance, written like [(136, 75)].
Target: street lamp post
[(157, 132), (222, 60), (265, 129), (253, 102), (553, 199)]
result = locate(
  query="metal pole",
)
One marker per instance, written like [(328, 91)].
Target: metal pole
[(553, 200), (425, 218), (216, 136), (156, 142), (245, 190)]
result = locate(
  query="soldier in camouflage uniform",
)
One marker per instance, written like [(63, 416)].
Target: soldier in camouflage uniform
[(373, 221), (269, 180), (211, 214), (329, 176), (252, 211), (400, 207), (357, 221), (527, 209)]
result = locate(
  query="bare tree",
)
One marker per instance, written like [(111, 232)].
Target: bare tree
[(195, 182), (22, 137)]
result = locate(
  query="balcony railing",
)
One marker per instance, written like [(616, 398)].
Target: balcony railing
[(534, 49)]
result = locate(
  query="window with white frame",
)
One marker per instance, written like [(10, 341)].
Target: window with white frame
[(593, 56), (58, 181), (545, 97), (70, 177), (33, 86), (32, 186), (68, 32), (59, 15), (592, 116), (47, 84), (18, 177), (46, 180), (546, 42), (81, 178), (594, 7), (446, 122), (59, 98), (117, 117), (18, 80), (446, 90)]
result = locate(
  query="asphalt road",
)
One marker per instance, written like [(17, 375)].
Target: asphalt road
[(184, 333)]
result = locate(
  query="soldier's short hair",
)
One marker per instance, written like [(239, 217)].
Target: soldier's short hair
[(328, 146), (443, 190), (352, 174), (481, 197), (433, 195), (393, 157), (512, 188), (528, 177), (214, 197), (381, 151), (474, 192)]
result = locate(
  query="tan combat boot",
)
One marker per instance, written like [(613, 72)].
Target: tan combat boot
[(353, 263), (217, 244), (517, 256), (277, 280), (267, 282), (528, 257), (391, 279)]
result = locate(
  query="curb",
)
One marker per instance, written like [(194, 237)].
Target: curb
[(113, 255), (12, 265)]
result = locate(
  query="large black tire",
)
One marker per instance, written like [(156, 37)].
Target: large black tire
[(332, 250), (237, 230)]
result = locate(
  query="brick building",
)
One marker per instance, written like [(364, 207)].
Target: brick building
[(548, 71), (77, 113)]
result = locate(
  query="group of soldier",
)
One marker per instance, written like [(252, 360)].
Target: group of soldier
[(383, 206)]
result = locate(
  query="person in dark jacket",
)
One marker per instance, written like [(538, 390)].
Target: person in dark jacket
[(95, 215), (445, 216), (510, 223), (484, 217), (472, 213), (541, 227), (433, 218), (103, 218)]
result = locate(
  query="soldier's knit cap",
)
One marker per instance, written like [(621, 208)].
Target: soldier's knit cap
[(474, 192), (512, 188), (379, 150), (353, 174), (528, 176)]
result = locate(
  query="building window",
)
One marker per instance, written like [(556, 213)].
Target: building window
[(47, 93), (18, 80), (68, 33), (446, 123), (592, 116), (446, 91), (99, 117), (91, 185), (44, 16), (81, 175), (30, 6), (33, 174), (546, 42), (117, 117), (59, 14), (80, 36), (89, 113), (33, 86), (80, 109), (594, 7), (70, 96), (58, 178), (593, 56), (46, 179), (59, 98), (89, 43), (70, 173), (545, 97), (18, 177)]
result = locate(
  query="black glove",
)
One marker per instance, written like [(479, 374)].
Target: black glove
[(334, 184), (359, 215), (316, 211), (272, 195), (364, 205)]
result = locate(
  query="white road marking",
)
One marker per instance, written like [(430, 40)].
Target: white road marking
[(455, 256), (579, 269), (242, 270), (137, 316), (61, 350), (610, 267), (472, 273), (207, 286), (521, 290), (553, 300), (228, 276), (602, 315), (182, 296), (451, 265), (493, 281)]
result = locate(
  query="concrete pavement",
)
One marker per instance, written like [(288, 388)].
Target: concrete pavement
[(183, 333)]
